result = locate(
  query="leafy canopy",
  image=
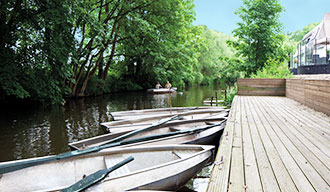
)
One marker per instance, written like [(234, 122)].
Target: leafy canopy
[(214, 47), (259, 32)]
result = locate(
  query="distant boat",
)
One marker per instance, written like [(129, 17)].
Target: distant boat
[(162, 90), (153, 168), (150, 119), (209, 136)]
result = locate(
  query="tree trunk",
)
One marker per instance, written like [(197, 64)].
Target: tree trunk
[(113, 47)]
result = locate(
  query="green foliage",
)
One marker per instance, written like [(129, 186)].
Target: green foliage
[(274, 68), (259, 33), (35, 42), (230, 71), (160, 45), (231, 92), (51, 49), (55, 49), (214, 47)]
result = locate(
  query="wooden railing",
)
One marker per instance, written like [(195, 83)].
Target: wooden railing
[(261, 87), (314, 93)]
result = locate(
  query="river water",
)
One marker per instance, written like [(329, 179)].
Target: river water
[(30, 131)]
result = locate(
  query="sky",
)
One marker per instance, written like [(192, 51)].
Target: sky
[(220, 15)]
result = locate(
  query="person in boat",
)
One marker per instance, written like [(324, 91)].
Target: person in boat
[(158, 85), (168, 85)]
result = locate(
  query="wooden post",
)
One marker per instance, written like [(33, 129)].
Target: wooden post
[(216, 98), (226, 95), (211, 100)]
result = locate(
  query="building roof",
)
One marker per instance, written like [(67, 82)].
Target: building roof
[(321, 31)]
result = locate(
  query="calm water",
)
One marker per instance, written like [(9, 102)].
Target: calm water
[(37, 131)]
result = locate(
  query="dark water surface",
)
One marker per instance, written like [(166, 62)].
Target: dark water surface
[(34, 131)]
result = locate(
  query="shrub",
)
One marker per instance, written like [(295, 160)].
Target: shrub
[(274, 68)]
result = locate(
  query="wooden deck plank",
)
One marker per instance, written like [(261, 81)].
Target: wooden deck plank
[(301, 143), (303, 114), (252, 175), (284, 179), (305, 138), (310, 173), (272, 144), (303, 117), (236, 181), (296, 174), (305, 127), (221, 168), (268, 180)]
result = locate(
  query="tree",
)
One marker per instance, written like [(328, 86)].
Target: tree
[(54, 49), (144, 39), (259, 33), (214, 47), (161, 44), (35, 43)]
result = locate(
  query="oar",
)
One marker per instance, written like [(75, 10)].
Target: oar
[(95, 177), (9, 167), (132, 133), (164, 135)]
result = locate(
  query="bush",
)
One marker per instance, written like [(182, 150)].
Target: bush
[(231, 92), (274, 68)]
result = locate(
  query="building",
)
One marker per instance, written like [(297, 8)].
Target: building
[(312, 54)]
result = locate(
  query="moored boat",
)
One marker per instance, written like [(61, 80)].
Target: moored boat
[(153, 168), (209, 136), (122, 115), (152, 119)]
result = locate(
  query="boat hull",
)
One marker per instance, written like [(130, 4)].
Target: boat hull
[(210, 136), (161, 90), (166, 178), (153, 168), (174, 182)]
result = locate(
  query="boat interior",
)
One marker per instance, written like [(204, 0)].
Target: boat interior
[(144, 160), (66, 172)]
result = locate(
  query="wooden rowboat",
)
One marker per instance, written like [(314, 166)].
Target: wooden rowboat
[(209, 136), (162, 90), (122, 115), (160, 122), (150, 119), (153, 168)]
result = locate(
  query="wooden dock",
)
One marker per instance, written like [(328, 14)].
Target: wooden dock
[(273, 144)]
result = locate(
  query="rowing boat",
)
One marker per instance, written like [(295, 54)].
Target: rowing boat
[(162, 90), (165, 167), (122, 115), (209, 136), (150, 119)]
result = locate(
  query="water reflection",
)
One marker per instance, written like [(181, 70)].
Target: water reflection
[(30, 131)]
